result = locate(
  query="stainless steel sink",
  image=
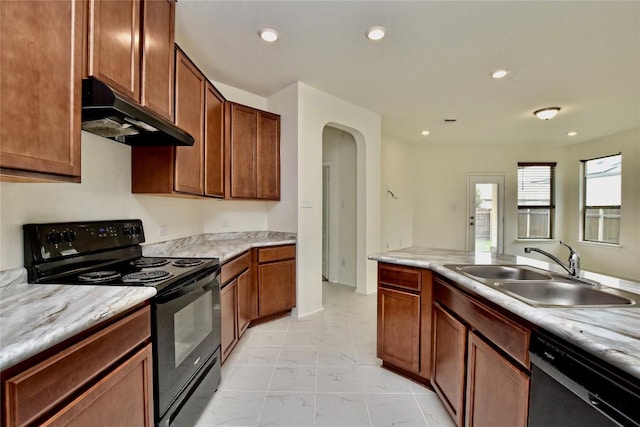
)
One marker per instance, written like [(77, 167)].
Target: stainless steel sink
[(504, 272), (560, 293), (544, 288)]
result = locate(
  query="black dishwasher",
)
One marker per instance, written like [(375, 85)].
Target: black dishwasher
[(571, 388)]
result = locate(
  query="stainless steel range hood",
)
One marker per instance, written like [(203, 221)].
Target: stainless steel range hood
[(110, 115)]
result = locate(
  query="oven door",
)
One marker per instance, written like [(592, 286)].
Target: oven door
[(187, 332)]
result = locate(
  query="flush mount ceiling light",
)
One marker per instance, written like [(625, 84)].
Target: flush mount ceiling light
[(268, 34), (498, 74), (375, 33), (425, 133), (572, 133), (546, 113)]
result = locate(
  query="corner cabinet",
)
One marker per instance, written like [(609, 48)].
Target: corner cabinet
[(404, 320), (253, 147), (103, 379), (274, 287), (480, 360), (40, 106)]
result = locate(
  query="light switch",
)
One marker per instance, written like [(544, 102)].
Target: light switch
[(306, 203)]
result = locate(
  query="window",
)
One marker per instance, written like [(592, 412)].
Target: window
[(535, 200), (602, 199)]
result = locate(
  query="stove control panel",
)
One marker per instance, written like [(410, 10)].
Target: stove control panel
[(48, 241)]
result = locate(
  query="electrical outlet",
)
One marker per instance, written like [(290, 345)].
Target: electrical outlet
[(162, 230), (306, 203), (226, 223)]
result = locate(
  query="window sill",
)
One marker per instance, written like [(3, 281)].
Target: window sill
[(601, 244), (536, 240)]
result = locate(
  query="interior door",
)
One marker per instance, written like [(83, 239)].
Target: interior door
[(326, 169), (485, 221)]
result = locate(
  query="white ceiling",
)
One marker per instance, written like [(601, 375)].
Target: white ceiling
[(436, 61)]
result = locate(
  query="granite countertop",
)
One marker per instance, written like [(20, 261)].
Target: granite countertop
[(612, 334), (36, 317), (218, 245)]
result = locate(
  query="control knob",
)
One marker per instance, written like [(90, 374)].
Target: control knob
[(69, 236), (54, 237)]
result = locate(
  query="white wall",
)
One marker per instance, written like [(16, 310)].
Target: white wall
[(622, 260), (339, 150), (397, 214)]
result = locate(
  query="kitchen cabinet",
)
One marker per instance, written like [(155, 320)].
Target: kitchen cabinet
[(274, 287), (235, 301), (214, 168), (80, 383), (40, 106), (253, 147), (130, 48), (480, 360), (404, 320)]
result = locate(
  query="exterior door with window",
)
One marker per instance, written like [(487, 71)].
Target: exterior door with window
[(486, 213)]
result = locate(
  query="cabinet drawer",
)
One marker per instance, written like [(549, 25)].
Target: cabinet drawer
[(37, 390), (276, 253), (510, 336), (400, 277), (231, 269)]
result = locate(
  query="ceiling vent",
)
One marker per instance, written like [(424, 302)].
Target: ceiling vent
[(449, 121)]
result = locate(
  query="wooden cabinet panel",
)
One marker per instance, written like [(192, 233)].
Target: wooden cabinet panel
[(244, 302), (399, 328), (276, 287), (449, 349), (497, 391), (243, 151), (400, 277), (114, 44), (234, 267), (157, 58), (510, 336), (41, 67), (123, 398), (268, 156), (229, 320), (276, 253), (189, 161), (214, 142)]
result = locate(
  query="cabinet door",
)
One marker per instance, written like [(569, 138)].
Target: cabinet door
[(268, 156), (214, 142), (244, 302), (190, 82), (243, 151), (449, 347), (492, 381), (229, 317), (276, 287), (122, 398), (114, 45), (399, 328), (41, 67), (157, 57)]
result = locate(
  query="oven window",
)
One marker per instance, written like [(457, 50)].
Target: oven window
[(191, 325)]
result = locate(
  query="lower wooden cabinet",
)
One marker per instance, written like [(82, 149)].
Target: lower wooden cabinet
[(103, 379), (244, 302), (229, 323), (480, 371), (275, 284), (449, 349), (404, 320), (497, 391), (235, 300)]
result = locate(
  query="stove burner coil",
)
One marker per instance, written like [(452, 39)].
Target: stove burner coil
[(146, 276), (98, 276), (149, 262), (187, 262)]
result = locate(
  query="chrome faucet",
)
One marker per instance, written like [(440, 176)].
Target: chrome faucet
[(573, 267)]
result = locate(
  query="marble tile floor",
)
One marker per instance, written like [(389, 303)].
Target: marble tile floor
[(319, 370)]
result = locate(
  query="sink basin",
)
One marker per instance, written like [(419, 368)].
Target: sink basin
[(503, 272), (560, 293)]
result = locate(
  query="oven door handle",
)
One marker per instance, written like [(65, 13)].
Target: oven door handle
[(201, 284)]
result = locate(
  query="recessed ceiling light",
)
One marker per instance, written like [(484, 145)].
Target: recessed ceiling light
[(268, 34), (425, 133), (572, 133), (375, 33), (546, 113), (498, 74)]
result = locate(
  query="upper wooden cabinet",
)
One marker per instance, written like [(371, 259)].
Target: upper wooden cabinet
[(214, 167), (41, 68), (114, 44), (253, 147), (143, 73), (182, 171), (158, 17)]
